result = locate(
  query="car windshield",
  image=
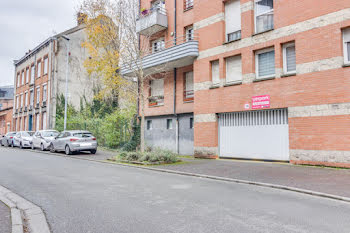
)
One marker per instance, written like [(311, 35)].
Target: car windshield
[(82, 135), (50, 134), (11, 134), (26, 134)]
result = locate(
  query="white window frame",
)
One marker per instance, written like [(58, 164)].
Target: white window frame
[(27, 75), (236, 32), (257, 15), (345, 47), (22, 77), (257, 63), (38, 95), (46, 59), (45, 92), (31, 98), (284, 47), (22, 100), (32, 74), (18, 79), (26, 99), (38, 69), (17, 100)]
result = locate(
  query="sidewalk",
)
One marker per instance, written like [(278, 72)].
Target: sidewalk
[(5, 218), (324, 180)]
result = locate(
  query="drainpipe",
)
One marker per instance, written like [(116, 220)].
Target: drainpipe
[(175, 23), (175, 114)]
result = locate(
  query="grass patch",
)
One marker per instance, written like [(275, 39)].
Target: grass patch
[(156, 157)]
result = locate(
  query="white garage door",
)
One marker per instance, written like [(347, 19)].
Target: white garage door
[(260, 134)]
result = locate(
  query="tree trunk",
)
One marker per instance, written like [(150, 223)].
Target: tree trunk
[(142, 112)]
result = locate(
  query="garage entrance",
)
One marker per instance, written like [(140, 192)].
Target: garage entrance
[(262, 134)]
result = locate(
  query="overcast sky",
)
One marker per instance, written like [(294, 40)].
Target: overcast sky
[(24, 24)]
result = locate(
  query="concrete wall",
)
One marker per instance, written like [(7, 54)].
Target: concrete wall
[(161, 137)]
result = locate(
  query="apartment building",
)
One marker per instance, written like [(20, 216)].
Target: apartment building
[(251, 79), (40, 77), (6, 105)]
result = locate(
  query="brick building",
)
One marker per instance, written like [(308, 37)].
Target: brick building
[(263, 79), (40, 77), (6, 105)]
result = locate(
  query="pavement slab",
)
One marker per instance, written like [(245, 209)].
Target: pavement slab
[(5, 218)]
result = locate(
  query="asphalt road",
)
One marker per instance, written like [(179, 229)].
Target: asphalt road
[(81, 196)]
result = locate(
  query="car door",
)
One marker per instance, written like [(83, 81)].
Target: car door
[(35, 139), (65, 140), (56, 142), (16, 139)]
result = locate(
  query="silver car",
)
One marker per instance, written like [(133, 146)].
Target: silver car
[(74, 141), (22, 139), (7, 139), (42, 139)]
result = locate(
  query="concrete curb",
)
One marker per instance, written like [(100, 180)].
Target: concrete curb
[(239, 181), (23, 209)]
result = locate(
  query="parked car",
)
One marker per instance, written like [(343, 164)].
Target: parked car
[(42, 139), (23, 139), (7, 139), (74, 141)]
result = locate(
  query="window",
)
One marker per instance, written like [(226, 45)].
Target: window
[(157, 87), (188, 4), (32, 74), (215, 73), (191, 123), (44, 92), (37, 95), (289, 63), (18, 79), (31, 100), (158, 45), (37, 122), (149, 125), (169, 123), (265, 63), (26, 99), (21, 100), (233, 69), (263, 15), (159, 5), (22, 78), (27, 75), (346, 38), (189, 33), (189, 93), (17, 98), (39, 69), (25, 123), (46, 62), (233, 20), (44, 121)]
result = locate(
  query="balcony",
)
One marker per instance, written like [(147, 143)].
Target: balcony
[(188, 96), (152, 21), (154, 101), (166, 58)]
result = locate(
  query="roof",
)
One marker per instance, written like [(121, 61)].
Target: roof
[(9, 90), (47, 42)]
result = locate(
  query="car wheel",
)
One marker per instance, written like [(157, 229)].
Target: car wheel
[(67, 150), (12, 145), (52, 148), (93, 151), (42, 147)]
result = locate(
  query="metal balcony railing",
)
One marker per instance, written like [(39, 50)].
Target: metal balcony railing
[(188, 95)]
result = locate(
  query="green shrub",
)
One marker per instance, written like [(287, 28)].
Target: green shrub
[(157, 155)]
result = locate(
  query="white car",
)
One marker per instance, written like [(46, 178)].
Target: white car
[(22, 139), (42, 139)]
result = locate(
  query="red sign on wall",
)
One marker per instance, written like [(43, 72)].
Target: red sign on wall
[(259, 102)]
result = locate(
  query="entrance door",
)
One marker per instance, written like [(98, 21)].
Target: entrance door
[(260, 134), (30, 124)]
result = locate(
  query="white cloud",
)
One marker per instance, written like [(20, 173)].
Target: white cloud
[(25, 24)]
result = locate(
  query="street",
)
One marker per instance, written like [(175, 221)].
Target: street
[(80, 196)]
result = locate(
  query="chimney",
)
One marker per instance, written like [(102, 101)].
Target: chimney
[(81, 18)]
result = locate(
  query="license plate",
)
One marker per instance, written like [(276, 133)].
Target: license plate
[(85, 144)]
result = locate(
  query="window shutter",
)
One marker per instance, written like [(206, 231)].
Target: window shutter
[(290, 58), (266, 63), (233, 69), (215, 74), (189, 81), (233, 16), (157, 87)]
